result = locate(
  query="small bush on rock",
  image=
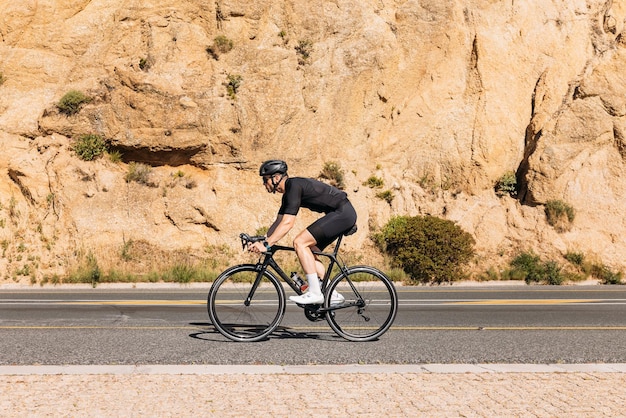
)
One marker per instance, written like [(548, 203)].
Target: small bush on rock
[(507, 185), (233, 84), (575, 258), (560, 215), (304, 50), (374, 182), (332, 171), (72, 101), (387, 196), (139, 173), (89, 147), (223, 44)]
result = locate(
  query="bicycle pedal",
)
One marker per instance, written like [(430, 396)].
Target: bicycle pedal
[(310, 307)]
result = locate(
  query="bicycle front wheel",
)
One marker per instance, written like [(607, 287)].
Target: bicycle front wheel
[(369, 307), (242, 312)]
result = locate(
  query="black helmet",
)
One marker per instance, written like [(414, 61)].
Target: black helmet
[(272, 167)]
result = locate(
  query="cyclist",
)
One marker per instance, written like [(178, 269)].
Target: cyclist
[(314, 195)]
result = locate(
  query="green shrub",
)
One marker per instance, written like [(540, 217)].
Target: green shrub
[(181, 273), (304, 50), (507, 185), (115, 156), (332, 171), (180, 178), (89, 147), (528, 266), (605, 274), (374, 182), (283, 35), (560, 215), (491, 274), (223, 44), (87, 272), (72, 101), (427, 248), (552, 273), (144, 64), (387, 196), (532, 269), (233, 84), (576, 259)]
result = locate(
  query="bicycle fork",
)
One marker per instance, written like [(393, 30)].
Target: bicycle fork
[(260, 268)]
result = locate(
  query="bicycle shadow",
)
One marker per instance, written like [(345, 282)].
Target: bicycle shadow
[(281, 333)]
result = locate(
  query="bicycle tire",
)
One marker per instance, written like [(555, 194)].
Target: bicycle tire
[(228, 311), (374, 315)]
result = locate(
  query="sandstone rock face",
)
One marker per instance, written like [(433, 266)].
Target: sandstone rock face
[(438, 99)]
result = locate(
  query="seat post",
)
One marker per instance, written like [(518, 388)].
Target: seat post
[(338, 244)]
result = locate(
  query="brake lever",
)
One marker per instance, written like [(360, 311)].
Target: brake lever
[(245, 240)]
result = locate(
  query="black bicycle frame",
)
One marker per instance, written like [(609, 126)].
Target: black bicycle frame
[(268, 261)]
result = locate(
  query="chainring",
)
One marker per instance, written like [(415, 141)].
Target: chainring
[(313, 314)]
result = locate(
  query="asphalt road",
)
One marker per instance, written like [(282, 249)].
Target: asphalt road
[(504, 324)]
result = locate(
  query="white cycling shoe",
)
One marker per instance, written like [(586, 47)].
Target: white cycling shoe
[(308, 299), (336, 298)]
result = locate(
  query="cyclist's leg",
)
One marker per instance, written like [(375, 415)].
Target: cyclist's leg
[(319, 266), (303, 243), (318, 235)]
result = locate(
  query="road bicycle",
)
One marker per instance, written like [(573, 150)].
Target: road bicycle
[(247, 302)]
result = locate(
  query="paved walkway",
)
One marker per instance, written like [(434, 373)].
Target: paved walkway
[(492, 390)]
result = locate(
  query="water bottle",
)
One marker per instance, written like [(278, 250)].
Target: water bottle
[(299, 282)]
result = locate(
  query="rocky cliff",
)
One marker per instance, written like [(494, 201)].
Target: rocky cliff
[(438, 99)]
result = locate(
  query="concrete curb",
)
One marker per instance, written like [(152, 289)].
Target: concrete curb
[(309, 369)]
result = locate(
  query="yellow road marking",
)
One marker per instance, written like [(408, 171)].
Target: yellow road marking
[(91, 327), (133, 302)]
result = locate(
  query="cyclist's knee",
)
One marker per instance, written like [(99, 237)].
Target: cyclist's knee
[(303, 240), (299, 243)]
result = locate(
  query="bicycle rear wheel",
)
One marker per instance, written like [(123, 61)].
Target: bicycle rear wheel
[(238, 318), (370, 304)]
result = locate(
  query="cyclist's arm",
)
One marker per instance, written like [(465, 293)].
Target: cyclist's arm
[(280, 227)]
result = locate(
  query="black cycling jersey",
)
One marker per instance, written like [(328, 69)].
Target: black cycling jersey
[(310, 194)]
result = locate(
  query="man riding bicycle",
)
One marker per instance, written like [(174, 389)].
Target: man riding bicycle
[(314, 195)]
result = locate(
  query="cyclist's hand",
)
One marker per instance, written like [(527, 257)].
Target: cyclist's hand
[(256, 247)]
